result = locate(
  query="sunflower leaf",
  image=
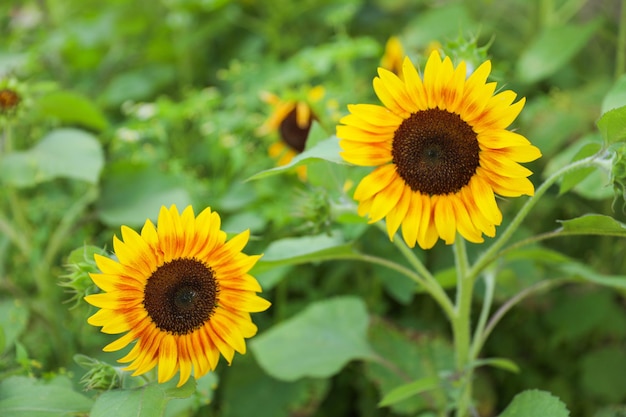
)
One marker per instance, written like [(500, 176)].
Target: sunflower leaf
[(409, 390), (593, 224), (317, 342), (325, 150), (299, 250), (74, 109), (533, 403), (552, 49), (574, 178), (146, 401), (62, 153), (612, 125), (27, 397), (131, 190), (616, 96)]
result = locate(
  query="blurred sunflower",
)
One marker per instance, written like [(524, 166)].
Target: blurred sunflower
[(180, 291), (393, 56), (292, 119), (11, 95), (442, 152)]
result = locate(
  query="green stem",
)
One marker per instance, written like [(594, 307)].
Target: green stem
[(63, 229), (620, 58), (540, 286), (491, 253), (461, 326), (17, 238), (478, 339), (427, 280)]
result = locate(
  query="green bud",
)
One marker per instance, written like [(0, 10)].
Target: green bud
[(77, 281), (100, 375)]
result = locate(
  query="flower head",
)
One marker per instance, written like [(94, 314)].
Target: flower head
[(180, 292), (11, 96), (292, 119), (442, 152)]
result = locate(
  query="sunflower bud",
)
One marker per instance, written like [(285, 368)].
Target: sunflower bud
[(77, 282), (100, 375), (11, 95)]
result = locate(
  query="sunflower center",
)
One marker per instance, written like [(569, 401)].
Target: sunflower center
[(435, 152), (181, 295), (292, 134)]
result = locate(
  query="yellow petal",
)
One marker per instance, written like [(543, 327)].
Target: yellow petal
[(374, 114), (376, 181), (484, 198), (398, 213), (387, 97), (411, 223), (445, 221), (396, 87), (168, 359), (414, 85), (386, 200)]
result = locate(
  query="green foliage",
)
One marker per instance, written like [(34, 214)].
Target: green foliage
[(127, 106), (148, 400), (533, 403), (316, 343), (22, 396)]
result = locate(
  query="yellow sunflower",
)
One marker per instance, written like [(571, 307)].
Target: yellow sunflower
[(292, 119), (180, 292), (442, 152), (393, 56)]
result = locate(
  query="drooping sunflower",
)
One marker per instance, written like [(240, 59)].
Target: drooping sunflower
[(292, 120), (180, 292), (442, 151)]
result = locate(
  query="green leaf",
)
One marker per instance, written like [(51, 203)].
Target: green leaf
[(409, 356), (501, 363), (74, 109), (616, 97), (585, 273), (593, 224), (612, 125), (266, 396), (13, 318), (298, 250), (325, 150), (317, 342), (131, 193), (534, 403), (409, 390), (436, 23), (27, 397), (552, 49), (574, 178), (147, 401), (62, 153), (603, 374)]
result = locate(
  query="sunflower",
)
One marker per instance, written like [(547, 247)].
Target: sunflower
[(292, 119), (393, 55), (442, 152), (180, 292)]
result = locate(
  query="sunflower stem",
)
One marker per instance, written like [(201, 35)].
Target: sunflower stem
[(489, 278), (428, 281), (497, 316), (461, 327), (492, 252), (620, 58)]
